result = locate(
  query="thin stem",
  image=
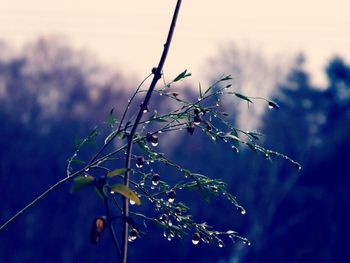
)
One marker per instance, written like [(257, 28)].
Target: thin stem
[(110, 225), (32, 203), (156, 77)]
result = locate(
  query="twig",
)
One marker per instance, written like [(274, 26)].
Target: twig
[(156, 77), (110, 225)]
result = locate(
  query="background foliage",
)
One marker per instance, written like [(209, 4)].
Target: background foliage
[(50, 94)]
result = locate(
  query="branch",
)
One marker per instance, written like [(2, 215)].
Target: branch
[(110, 224), (156, 77)]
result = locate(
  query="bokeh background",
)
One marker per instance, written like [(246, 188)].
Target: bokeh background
[(64, 65)]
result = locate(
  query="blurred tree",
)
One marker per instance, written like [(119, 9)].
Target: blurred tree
[(49, 95)]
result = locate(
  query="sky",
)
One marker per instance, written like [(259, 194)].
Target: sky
[(130, 34)]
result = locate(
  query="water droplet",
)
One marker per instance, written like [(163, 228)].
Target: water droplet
[(169, 238), (160, 94), (171, 196), (197, 120), (196, 238), (230, 232), (155, 179), (243, 212), (154, 143), (164, 234), (140, 161), (170, 223), (217, 104), (246, 242), (172, 235), (221, 243), (160, 132), (235, 148), (133, 234), (132, 202), (164, 218), (273, 105)]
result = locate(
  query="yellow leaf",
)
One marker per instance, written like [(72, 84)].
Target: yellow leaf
[(126, 192), (116, 172)]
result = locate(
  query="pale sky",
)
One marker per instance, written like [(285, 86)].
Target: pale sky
[(131, 33)]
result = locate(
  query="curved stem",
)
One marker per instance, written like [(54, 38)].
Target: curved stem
[(110, 225), (156, 77)]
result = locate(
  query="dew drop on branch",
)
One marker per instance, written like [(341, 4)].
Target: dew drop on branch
[(196, 238)]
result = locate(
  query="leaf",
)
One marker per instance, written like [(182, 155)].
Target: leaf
[(182, 75), (77, 161), (111, 119), (211, 136), (254, 135), (116, 172), (208, 89), (81, 181), (243, 97), (233, 137), (109, 137), (160, 119), (200, 90), (228, 77), (126, 192)]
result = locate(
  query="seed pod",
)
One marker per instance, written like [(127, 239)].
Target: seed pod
[(191, 128), (197, 120), (98, 225)]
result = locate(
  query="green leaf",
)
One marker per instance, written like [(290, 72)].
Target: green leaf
[(211, 136), (233, 137), (208, 89), (228, 77), (243, 97), (111, 119), (182, 75), (116, 172), (126, 192), (81, 181), (254, 135), (109, 137), (160, 119), (77, 161)]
